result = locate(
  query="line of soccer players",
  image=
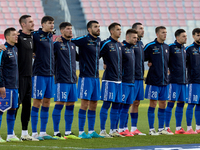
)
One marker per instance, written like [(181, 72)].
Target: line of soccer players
[(122, 83)]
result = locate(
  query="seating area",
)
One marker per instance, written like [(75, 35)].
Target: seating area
[(11, 10), (172, 14)]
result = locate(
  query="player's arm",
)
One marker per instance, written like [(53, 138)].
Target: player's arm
[(2, 47), (79, 41), (77, 56), (103, 49), (2, 82), (147, 50)]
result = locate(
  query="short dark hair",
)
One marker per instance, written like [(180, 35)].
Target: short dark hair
[(134, 26), (112, 25), (23, 18), (130, 31), (196, 30), (89, 24), (178, 32), (159, 28), (8, 30), (64, 25), (46, 18)]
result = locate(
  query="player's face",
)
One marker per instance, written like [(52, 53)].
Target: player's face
[(116, 32), (48, 26), (13, 37), (132, 38), (95, 29), (67, 32), (162, 34), (29, 25), (196, 38), (140, 30), (182, 38)]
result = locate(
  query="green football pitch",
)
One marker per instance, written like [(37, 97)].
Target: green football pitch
[(99, 143)]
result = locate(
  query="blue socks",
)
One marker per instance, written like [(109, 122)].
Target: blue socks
[(56, 116), (44, 115), (81, 118), (126, 123), (91, 119), (34, 118), (123, 115), (69, 115), (179, 114), (161, 117), (189, 114), (118, 118), (1, 114), (197, 114), (114, 115), (151, 117), (134, 119), (10, 121), (104, 114), (168, 113)]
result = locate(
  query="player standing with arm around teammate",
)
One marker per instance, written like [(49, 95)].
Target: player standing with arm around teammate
[(42, 80), (65, 79), (111, 90), (157, 90), (193, 65), (128, 78), (177, 80), (88, 83), (9, 82)]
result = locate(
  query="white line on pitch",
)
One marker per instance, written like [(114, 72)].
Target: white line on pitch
[(50, 147)]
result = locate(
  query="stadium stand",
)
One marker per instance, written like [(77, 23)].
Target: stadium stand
[(172, 14)]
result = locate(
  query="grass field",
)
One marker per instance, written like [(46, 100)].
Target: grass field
[(99, 143)]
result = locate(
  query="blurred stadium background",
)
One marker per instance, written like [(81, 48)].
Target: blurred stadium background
[(173, 14)]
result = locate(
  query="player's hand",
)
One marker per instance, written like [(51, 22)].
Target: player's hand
[(33, 56), (58, 39), (168, 72), (2, 92), (104, 66), (149, 64), (2, 47)]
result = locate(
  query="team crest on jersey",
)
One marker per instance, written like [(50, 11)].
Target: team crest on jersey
[(24, 39), (72, 47), (119, 48), (184, 50), (166, 50), (112, 48)]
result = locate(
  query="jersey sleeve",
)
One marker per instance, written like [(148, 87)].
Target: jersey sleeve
[(103, 49), (2, 60), (147, 50), (79, 41)]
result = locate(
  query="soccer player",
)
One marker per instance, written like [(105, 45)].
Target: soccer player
[(157, 53), (193, 64), (42, 80), (177, 80), (111, 90), (88, 83), (25, 53), (128, 78), (9, 81), (139, 77), (65, 79)]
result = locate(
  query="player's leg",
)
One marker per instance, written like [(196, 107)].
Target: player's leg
[(139, 95), (1, 139), (38, 86), (197, 114), (192, 101), (92, 108), (44, 113), (151, 93), (11, 137)]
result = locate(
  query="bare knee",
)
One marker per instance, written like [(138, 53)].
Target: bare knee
[(84, 104), (37, 103), (153, 103), (93, 105), (162, 104), (69, 103), (46, 102)]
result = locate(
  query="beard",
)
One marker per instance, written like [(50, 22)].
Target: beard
[(198, 42), (95, 33)]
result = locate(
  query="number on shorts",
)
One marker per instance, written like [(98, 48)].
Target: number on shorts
[(123, 97), (39, 93), (195, 98), (174, 95), (110, 95), (64, 95), (154, 94), (85, 93)]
